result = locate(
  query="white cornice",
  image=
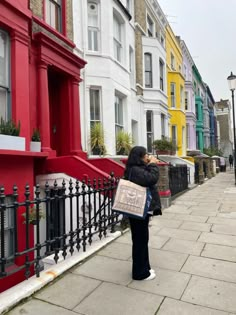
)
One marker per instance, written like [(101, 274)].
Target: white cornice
[(186, 51), (158, 12)]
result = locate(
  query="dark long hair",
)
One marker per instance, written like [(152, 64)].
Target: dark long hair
[(135, 158)]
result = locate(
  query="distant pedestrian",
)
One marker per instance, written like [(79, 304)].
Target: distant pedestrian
[(142, 169), (222, 164), (231, 160)]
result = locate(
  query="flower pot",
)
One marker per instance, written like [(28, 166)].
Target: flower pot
[(96, 151), (163, 152), (121, 152), (12, 143), (35, 146)]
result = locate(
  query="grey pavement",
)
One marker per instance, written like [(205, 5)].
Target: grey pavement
[(192, 248)]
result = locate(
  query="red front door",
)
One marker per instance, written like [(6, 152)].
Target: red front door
[(58, 101)]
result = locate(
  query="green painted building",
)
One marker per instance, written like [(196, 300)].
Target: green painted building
[(199, 98)]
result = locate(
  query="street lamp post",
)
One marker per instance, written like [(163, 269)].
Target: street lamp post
[(232, 86)]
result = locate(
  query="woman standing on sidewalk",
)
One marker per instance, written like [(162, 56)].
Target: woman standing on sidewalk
[(142, 169)]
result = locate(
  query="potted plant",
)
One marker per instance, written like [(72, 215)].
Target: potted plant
[(9, 136), (97, 142), (124, 142), (33, 215), (164, 146), (35, 144)]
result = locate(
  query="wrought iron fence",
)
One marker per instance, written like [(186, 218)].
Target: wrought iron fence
[(55, 221), (196, 173), (178, 178)]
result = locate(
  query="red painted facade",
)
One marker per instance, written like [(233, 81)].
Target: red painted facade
[(44, 88), (44, 78)]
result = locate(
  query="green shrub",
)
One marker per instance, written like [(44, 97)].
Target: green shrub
[(97, 141), (212, 151), (164, 145), (33, 215), (124, 142), (36, 135), (9, 128)]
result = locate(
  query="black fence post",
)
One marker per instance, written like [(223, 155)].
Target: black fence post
[(71, 217)]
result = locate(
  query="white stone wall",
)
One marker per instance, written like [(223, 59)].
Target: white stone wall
[(154, 98), (104, 72)]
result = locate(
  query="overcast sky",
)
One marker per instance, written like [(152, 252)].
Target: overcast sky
[(208, 28)]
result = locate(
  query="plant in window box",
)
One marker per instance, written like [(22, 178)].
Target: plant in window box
[(9, 136), (164, 146), (124, 142), (35, 144), (97, 141), (33, 215)]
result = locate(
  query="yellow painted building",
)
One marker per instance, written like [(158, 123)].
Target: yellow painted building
[(175, 91)]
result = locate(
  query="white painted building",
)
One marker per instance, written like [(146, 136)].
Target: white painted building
[(223, 110), (189, 97), (104, 35), (151, 64)]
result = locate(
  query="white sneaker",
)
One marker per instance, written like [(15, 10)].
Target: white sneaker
[(152, 271), (151, 277)]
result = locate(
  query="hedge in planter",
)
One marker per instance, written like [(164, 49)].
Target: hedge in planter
[(124, 143), (97, 141), (9, 136), (164, 146), (35, 144)]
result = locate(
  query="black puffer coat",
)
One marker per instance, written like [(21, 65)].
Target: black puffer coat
[(146, 176)]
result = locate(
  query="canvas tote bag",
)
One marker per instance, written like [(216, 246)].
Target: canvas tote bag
[(132, 200)]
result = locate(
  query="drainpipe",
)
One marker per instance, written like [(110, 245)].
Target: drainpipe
[(84, 32)]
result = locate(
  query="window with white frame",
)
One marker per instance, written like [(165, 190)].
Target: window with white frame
[(187, 136), (95, 111), (185, 72), (186, 100), (197, 139), (9, 229), (163, 131), (148, 70), (149, 123), (150, 26), (117, 37), (119, 121), (197, 111), (131, 66), (195, 87), (162, 41), (161, 70), (183, 138), (53, 12), (5, 96), (172, 95), (172, 61), (174, 134), (93, 26), (181, 97)]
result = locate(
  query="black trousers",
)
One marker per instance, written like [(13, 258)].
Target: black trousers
[(140, 237)]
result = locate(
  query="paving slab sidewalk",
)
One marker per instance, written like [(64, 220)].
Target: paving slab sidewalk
[(192, 249)]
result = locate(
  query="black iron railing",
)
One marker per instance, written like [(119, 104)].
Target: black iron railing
[(196, 173), (178, 178), (55, 221)]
